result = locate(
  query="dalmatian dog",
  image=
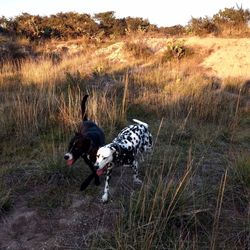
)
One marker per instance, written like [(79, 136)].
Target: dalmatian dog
[(125, 149)]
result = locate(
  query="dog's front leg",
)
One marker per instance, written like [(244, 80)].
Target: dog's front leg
[(91, 176), (136, 179), (89, 162), (87, 181), (92, 158), (106, 187)]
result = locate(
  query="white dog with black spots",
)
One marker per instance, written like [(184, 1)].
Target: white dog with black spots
[(125, 149)]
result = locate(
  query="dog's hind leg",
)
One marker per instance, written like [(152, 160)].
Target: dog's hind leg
[(136, 179)]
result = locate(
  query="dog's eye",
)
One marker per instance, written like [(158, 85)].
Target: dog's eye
[(104, 158)]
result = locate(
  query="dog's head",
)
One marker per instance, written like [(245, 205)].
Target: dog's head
[(78, 146), (104, 158)]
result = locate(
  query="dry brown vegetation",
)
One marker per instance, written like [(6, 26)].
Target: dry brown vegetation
[(195, 193)]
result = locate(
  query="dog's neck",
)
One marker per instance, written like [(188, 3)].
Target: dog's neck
[(121, 154), (118, 151)]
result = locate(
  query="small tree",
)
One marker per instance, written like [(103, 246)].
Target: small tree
[(106, 21), (119, 27), (137, 23)]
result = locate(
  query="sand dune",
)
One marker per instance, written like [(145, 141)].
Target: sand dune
[(230, 57)]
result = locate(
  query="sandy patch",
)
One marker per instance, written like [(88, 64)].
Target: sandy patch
[(230, 57)]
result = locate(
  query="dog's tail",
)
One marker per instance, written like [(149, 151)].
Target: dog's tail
[(83, 107), (140, 122)]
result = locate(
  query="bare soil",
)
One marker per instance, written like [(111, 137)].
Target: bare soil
[(72, 227)]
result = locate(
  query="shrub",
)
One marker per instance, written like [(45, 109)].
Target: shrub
[(176, 30), (232, 16), (232, 21), (202, 26), (137, 24)]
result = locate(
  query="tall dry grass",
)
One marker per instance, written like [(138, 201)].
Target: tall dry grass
[(171, 210)]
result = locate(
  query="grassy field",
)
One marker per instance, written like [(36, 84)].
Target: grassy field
[(196, 182)]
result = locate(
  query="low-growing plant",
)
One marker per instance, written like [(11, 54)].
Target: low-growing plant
[(176, 50)]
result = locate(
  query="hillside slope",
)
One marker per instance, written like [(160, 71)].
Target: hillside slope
[(195, 98)]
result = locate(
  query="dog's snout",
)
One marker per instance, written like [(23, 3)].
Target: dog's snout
[(96, 166), (66, 157)]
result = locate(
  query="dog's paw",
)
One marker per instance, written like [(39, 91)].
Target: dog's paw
[(84, 185), (105, 198), (137, 181)]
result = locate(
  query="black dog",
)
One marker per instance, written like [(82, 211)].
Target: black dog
[(85, 144)]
